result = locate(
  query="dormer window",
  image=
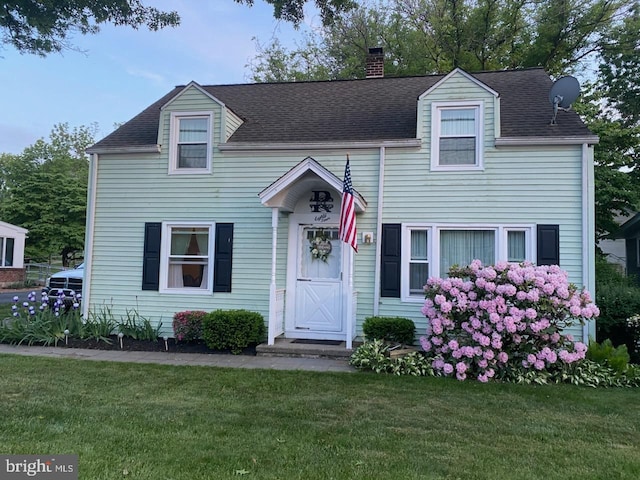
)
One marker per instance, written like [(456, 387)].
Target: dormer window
[(190, 143), (456, 136)]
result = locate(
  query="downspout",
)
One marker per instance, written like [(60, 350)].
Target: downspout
[(588, 234), (378, 265), (89, 230)]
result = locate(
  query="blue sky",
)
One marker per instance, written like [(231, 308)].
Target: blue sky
[(123, 70)]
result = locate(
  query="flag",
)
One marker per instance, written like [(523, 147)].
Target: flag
[(347, 230)]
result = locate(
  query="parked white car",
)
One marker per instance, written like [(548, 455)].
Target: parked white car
[(66, 281)]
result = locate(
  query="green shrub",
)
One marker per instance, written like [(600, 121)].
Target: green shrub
[(618, 297), (232, 329), (633, 338), (374, 355), (390, 329), (606, 354)]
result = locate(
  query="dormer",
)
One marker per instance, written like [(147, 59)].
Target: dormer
[(192, 124), (458, 119)]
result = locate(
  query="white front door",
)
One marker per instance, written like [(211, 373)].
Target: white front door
[(318, 297)]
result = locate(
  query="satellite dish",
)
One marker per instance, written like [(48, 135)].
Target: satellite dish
[(563, 93)]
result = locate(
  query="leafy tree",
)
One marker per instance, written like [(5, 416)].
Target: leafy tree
[(617, 190), (43, 27), (612, 110), (44, 189), (620, 67), (293, 10), (435, 36)]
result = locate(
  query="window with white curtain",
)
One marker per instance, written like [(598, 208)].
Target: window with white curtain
[(190, 142), (456, 136), (186, 258), (461, 247), (516, 246), (432, 249)]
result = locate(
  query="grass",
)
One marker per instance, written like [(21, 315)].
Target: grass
[(137, 421)]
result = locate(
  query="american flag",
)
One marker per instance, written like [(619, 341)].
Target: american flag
[(347, 230)]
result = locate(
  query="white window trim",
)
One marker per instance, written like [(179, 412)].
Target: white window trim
[(174, 130), (433, 245), (165, 248), (436, 108)]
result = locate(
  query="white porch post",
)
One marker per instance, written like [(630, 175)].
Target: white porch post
[(349, 294), (273, 317)]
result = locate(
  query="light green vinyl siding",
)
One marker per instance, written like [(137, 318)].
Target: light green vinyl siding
[(233, 122)]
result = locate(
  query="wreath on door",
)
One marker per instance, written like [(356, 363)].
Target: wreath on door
[(320, 247)]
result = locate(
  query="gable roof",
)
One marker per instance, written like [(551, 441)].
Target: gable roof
[(8, 227), (357, 110)]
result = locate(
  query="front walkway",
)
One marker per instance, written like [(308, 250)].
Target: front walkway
[(199, 359)]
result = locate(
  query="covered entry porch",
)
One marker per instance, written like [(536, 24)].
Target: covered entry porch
[(312, 296)]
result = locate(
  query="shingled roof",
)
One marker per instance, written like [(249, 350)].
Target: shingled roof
[(357, 110)]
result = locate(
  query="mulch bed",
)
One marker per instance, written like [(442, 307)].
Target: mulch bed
[(131, 345)]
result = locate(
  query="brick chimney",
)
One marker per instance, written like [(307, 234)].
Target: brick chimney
[(375, 63)]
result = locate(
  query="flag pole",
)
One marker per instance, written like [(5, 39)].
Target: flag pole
[(348, 235)]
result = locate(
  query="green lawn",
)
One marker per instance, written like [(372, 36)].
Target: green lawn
[(137, 421)]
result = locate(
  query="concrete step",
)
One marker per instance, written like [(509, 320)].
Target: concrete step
[(286, 347)]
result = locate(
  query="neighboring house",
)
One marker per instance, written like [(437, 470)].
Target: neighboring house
[(630, 233), (614, 247), (213, 197), (12, 239)]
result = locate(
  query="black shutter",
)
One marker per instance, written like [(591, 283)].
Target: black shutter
[(390, 260), (151, 256), (222, 257), (548, 245)]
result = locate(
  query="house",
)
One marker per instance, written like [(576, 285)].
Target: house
[(215, 197), (613, 246), (12, 239), (629, 233)]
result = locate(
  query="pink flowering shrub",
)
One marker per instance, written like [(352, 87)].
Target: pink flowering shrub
[(187, 325), (489, 321)]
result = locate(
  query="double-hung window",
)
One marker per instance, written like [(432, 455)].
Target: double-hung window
[(418, 260), (6, 252), (432, 249), (456, 136), (190, 149), (186, 258)]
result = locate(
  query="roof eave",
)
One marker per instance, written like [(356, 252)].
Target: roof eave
[(329, 145), (130, 149), (537, 141)]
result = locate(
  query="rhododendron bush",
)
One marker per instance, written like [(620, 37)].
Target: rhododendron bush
[(485, 321)]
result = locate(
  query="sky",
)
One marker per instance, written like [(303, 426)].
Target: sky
[(120, 71)]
